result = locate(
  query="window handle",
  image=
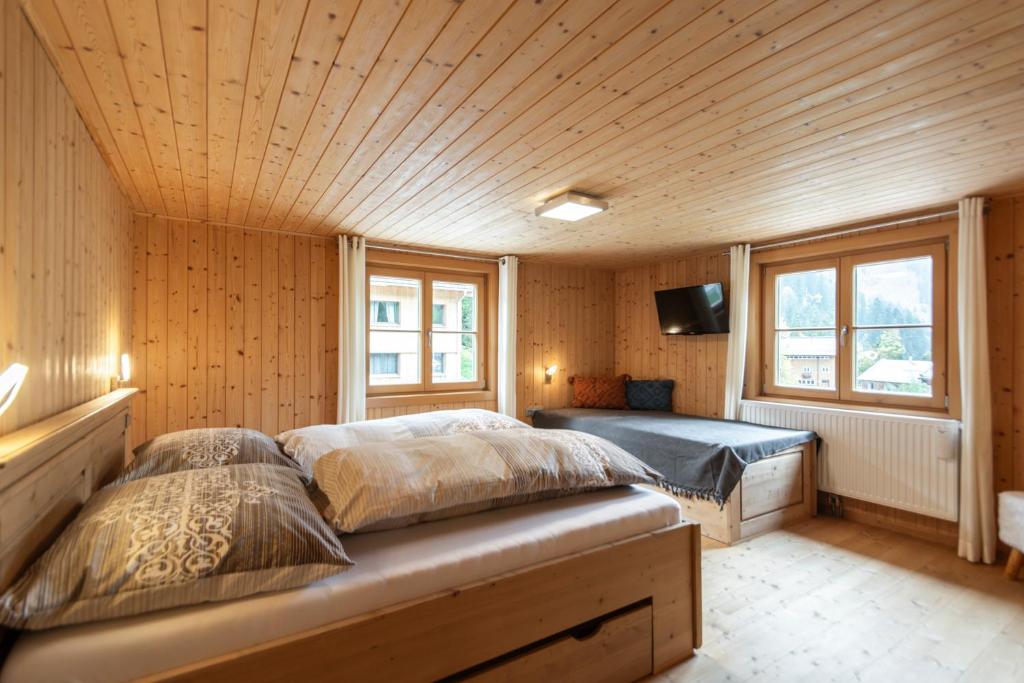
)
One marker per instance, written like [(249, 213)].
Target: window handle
[(430, 338), (843, 331)]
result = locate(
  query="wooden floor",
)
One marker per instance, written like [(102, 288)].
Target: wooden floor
[(833, 600)]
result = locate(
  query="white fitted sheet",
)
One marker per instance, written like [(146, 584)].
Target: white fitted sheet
[(391, 567)]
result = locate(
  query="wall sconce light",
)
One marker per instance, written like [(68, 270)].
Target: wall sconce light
[(124, 374), (550, 372), (10, 382)]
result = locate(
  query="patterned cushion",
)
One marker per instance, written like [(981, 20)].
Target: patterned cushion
[(650, 394), (600, 392), (177, 539), (390, 485), (307, 444), (200, 448)]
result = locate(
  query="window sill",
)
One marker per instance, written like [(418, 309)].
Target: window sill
[(858, 407), (394, 400)]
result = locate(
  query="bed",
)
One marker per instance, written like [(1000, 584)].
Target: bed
[(737, 479), (603, 586)]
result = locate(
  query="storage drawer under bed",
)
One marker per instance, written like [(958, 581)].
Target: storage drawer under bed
[(772, 484), (614, 648)]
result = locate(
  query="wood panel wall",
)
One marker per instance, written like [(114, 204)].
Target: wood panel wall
[(566, 316), (65, 236), (1005, 270), (697, 364), (232, 327)]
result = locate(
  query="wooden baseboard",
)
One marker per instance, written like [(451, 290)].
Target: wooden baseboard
[(910, 523)]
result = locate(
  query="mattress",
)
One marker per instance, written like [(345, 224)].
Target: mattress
[(391, 567)]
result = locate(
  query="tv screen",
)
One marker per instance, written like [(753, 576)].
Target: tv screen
[(693, 310)]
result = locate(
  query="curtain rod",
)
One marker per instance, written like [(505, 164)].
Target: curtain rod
[(852, 231), (425, 252)]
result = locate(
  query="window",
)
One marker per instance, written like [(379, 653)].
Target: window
[(384, 364), (864, 328), (395, 330), (457, 338), (384, 312), (445, 356)]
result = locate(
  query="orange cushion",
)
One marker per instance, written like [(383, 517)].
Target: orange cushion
[(600, 392)]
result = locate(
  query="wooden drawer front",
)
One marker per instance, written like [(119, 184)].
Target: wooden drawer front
[(772, 484), (618, 651)]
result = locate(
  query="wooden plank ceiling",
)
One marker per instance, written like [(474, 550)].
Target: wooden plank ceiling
[(445, 123)]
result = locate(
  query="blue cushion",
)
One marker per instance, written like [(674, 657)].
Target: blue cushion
[(650, 394)]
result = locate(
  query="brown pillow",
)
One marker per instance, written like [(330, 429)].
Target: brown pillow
[(600, 392), (196, 449), (199, 535)]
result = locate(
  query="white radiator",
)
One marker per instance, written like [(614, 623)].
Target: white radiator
[(905, 462)]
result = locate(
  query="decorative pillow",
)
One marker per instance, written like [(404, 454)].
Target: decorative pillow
[(201, 448), (600, 392), (650, 394), (390, 485), (308, 444), (177, 539)]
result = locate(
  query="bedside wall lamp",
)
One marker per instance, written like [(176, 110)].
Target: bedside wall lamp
[(550, 372), (10, 382), (124, 374)]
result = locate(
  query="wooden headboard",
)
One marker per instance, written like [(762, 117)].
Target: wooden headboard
[(48, 469)]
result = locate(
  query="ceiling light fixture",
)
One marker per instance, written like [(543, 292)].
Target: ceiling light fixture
[(571, 206)]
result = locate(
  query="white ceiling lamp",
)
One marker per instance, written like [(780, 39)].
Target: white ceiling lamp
[(570, 206)]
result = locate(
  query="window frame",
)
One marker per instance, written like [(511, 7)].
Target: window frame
[(940, 362), (844, 391), (769, 329), (397, 329), (408, 394), (467, 278)]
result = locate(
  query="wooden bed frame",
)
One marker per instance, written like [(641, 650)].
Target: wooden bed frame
[(617, 612), (773, 492)]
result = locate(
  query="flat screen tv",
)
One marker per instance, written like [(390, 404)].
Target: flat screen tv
[(693, 310)]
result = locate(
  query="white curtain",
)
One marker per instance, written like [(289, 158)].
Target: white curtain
[(736, 353), (977, 500), (351, 329), (507, 289)]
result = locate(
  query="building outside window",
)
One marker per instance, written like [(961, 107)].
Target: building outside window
[(384, 312), (384, 364)]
